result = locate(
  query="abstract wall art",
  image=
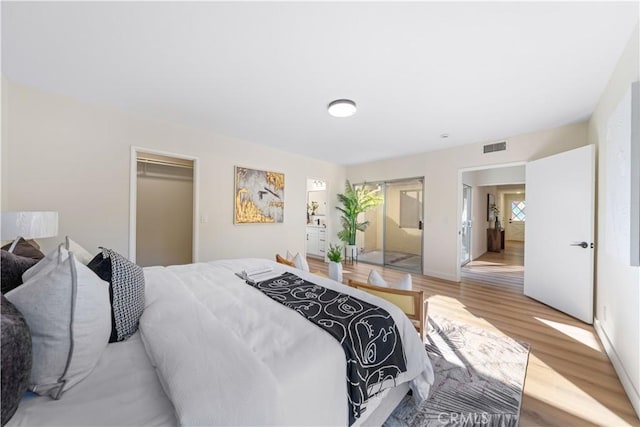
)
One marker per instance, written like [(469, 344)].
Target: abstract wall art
[(259, 196)]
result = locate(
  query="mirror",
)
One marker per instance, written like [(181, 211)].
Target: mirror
[(320, 198)]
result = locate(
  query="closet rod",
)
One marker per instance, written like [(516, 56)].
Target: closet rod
[(164, 163)]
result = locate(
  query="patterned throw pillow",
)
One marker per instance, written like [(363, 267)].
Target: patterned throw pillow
[(126, 290)]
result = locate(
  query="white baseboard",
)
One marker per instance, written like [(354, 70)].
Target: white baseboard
[(627, 384)]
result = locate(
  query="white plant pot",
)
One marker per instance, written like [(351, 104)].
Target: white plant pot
[(351, 252), (335, 271)]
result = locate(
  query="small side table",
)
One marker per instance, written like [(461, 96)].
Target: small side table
[(494, 239)]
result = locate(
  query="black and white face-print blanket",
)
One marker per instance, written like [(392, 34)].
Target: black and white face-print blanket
[(366, 332)]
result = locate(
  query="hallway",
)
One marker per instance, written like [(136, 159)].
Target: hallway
[(498, 268)]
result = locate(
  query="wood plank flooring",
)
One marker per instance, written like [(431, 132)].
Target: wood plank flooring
[(570, 380)]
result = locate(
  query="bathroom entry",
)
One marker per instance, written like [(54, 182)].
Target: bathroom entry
[(316, 201), (316, 230), (164, 216)]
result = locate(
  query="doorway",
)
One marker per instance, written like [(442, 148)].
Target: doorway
[(163, 208), (465, 255), (316, 229), (492, 226), (394, 235)]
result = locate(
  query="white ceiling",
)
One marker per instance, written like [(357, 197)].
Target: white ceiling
[(265, 72)]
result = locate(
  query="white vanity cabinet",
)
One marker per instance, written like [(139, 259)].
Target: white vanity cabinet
[(316, 240)]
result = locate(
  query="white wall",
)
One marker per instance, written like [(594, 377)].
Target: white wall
[(443, 190), (618, 284), (499, 176), (74, 157)]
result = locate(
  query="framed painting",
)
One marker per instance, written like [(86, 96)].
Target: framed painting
[(259, 196)]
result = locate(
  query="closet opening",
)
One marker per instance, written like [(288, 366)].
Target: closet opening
[(163, 208)]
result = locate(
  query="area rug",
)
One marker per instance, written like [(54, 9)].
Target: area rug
[(479, 377)]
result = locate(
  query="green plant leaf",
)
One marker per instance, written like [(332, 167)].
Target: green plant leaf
[(355, 200)]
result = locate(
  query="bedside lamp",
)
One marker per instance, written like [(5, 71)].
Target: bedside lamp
[(29, 225)]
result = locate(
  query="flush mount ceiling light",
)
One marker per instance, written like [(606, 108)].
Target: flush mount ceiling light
[(342, 108)]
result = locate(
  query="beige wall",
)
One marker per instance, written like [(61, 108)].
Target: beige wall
[(443, 189), (618, 284), (74, 157)]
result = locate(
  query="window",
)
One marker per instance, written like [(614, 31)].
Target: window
[(518, 210)]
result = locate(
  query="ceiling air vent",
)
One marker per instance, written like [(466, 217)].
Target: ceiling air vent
[(498, 146)]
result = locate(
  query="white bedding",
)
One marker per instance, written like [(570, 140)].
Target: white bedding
[(224, 354), (122, 390), (297, 369)]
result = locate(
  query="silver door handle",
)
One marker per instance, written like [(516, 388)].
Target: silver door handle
[(583, 245)]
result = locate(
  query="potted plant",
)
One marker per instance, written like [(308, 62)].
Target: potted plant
[(335, 262), (355, 200)]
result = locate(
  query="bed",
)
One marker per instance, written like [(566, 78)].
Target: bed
[(213, 350)]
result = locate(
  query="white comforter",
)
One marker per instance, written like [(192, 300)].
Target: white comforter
[(228, 355)]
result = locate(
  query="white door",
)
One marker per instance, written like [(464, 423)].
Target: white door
[(560, 229), (515, 207)]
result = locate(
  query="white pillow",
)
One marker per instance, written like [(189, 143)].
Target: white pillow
[(404, 283), (81, 253), (50, 261), (46, 264), (69, 316), (301, 262), (290, 256), (376, 279)]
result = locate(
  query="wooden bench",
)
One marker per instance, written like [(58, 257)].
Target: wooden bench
[(412, 303)]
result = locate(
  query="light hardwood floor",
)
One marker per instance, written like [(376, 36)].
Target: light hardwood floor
[(505, 267), (570, 380)]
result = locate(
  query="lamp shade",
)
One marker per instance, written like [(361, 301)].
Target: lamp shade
[(29, 224)]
